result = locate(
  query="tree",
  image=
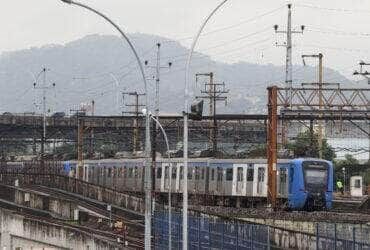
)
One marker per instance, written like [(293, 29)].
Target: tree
[(306, 145)]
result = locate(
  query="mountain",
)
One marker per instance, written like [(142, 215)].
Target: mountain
[(84, 70)]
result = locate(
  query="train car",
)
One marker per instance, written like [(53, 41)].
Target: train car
[(301, 183), (310, 184)]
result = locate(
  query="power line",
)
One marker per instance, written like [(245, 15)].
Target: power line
[(228, 27), (331, 9)]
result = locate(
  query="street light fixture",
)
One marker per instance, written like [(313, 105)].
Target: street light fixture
[(147, 177), (186, 117), (144, 111)]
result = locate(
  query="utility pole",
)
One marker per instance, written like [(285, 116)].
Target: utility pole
[(288, 45), (321, 103), (214, 92), (136, 113), (363, 73), (44, 89), (366, 75), (91, 146), (155, 128), (288, 63)]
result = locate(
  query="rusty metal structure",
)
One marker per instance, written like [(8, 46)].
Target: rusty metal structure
[(311, 104)]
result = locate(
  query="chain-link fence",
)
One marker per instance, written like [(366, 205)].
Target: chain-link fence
[(210, 232)]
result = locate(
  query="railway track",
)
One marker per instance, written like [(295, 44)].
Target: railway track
[(134, 224)]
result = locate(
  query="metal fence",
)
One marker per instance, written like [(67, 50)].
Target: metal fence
[(210, 232), (342, 236)]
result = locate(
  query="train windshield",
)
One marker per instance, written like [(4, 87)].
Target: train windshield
[(315, 175)]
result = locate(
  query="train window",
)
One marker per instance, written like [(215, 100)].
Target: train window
[(240, 174), (114, 172), (219, 174), (159, 172), (261, 174), (250, 174), (283, 175), (203, 173), (357, 183), (213, 174), (197, 173), (125, 173), (229, 174), (190, 175), (181, 172), (109, 172), (130, 172), (166, 172), (174, 173)]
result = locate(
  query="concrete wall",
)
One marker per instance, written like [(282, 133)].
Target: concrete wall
[(18, 231)]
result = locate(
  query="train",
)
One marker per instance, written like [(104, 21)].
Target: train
[(302, 183)]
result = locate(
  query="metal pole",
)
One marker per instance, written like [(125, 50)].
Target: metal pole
[(272, 145), (289, 77), (170, 182), (147, 177), (320, 105), (156, 112), (185, 146), (317, 236), (335, 236), (117, 92), (43, 121)]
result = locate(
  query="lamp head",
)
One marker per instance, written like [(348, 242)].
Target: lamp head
[(67, 1), (302, 27), (355, 72), (276, 27)]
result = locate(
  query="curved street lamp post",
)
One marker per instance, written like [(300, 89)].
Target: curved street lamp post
[(169, 178), (147, 177), (186, 117)]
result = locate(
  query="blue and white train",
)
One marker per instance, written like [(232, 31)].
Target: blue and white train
[(301, 183)]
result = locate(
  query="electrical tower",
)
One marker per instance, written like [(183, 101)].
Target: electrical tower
[(136, 112), (288, 45), (214, 92), (44, 87)]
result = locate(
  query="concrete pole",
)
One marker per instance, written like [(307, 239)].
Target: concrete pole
[(320, 105), (185, 114)]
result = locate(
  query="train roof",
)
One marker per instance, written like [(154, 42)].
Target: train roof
[(191, 160)]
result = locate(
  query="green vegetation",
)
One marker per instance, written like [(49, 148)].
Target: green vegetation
[(306, 145)]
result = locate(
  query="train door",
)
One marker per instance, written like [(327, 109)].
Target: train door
[(239, 180), (282, 182), (238, 176), (261, 180), (249, 180), (178, 169), (166, 183), (219, 180), (196, 179)]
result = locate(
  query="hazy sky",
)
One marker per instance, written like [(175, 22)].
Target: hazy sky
[(337, 28)]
